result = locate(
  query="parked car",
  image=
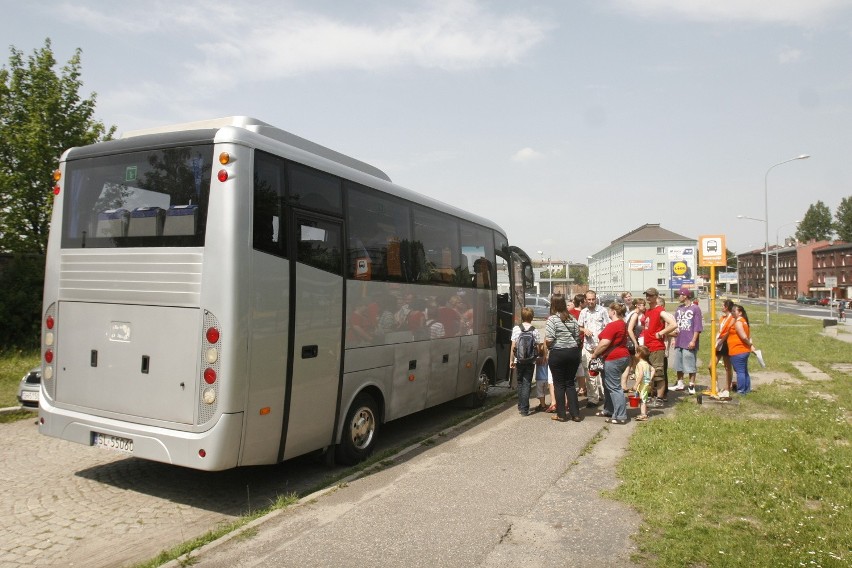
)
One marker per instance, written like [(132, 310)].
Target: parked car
[(752, 294), (824, 301), (28, 390), (539, 304), (605, 301), (807, 300)]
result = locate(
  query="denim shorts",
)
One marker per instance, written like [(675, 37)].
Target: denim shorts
[(684, 361)]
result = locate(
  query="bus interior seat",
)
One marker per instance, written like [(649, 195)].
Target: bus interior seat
[(181, 220), (112, 223), (146, 222)]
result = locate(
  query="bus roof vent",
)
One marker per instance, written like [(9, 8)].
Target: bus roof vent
[(265, 129)]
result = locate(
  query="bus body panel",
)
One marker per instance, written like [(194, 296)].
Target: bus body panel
[(411, 370), (316, 360), (160, 277), (129, 359), (220, 443), (444, 374), (269, 287), (467, 364)]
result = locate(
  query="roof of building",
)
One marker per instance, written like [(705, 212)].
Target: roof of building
[(651, 232)]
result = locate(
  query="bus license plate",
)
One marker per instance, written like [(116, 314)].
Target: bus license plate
[(114, 443)]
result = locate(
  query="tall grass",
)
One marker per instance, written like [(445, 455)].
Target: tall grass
[(764, 480)]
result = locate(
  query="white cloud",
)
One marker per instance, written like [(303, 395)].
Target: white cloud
[(790, 55), (274, 40), (795, 12), (525, 155), (452, 36)]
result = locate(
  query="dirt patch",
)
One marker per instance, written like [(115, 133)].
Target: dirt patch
[(824, 396), (842, 368), (768, 416), (772, 377)]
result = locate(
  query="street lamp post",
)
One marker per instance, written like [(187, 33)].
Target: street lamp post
[(766, 215)]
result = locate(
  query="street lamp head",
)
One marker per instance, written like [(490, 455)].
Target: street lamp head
[(803, 157)]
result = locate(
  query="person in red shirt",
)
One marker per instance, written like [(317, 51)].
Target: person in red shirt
[(658, 325), (612, 347)]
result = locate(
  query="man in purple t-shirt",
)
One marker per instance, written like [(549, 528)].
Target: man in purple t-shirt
[(689, 327)]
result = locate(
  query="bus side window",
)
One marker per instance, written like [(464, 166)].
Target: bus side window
[(267, 230)]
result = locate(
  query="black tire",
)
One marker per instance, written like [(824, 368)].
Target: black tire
[(477, 397), (360, 429)]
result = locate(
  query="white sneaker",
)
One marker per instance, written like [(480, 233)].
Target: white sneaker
[(679, 386), (691, 389), (724, 394)]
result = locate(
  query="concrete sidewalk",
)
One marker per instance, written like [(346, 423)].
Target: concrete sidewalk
[(507, 491)]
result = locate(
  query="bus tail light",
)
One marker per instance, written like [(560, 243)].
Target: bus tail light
[(49, 338), (211, 361)]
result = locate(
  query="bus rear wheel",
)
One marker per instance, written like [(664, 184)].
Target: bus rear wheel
[(478, 396), (359, 431)]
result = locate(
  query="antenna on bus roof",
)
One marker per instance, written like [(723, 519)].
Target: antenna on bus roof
[(265, 129)]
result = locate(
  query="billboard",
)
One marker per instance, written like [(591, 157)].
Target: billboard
[(682, 267)]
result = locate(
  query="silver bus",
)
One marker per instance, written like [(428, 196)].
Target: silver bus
[(224, 293)]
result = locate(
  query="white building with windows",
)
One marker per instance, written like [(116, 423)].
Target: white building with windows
[(649, 256)]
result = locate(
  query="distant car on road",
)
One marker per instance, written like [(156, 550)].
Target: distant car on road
[(824, 301), (28, 390), (752, 294), (605, 301), (807, 300), (539, 304)]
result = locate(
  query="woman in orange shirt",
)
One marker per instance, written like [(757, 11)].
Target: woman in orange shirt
[(726, 326), (740, 347)]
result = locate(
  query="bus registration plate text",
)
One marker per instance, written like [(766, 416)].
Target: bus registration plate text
[(114, 443)]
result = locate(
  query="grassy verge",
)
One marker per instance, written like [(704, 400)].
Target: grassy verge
[(763, 481), (13, 366)]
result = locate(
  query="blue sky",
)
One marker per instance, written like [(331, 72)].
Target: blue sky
[(568, 123)]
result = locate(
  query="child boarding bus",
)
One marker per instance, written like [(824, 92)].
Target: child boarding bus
[(224, 293)]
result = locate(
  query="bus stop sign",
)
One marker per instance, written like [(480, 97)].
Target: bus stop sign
[(712, 251)]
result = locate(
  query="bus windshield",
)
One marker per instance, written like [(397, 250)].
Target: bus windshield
[(152, 198)]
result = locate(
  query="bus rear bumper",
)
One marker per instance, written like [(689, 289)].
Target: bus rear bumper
[(212, 450)]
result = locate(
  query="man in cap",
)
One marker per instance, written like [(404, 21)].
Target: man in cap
[(689, 327), (658, 325)]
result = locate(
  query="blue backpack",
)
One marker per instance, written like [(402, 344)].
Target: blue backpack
[(526, 349)]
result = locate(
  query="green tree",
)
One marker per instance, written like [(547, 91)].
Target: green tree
[(843, 220), (816, 224), (579, 274), (41, 115)]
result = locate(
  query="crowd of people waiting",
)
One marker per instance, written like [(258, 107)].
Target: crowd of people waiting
[(603, 353)]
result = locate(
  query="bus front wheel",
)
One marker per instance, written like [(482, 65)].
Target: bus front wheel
[(359, 431)]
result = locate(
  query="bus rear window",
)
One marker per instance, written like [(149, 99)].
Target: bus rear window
[(154, 198)]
